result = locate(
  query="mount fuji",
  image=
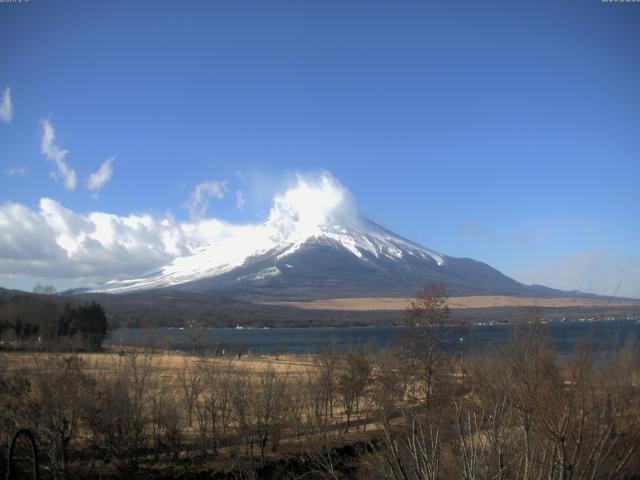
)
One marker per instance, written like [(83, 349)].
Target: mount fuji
[(316, 244)]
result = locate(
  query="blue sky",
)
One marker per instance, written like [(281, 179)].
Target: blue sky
[(508, 132)]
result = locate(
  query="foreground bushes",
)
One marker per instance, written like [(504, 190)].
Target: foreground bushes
[(516, 412), (521, 412)]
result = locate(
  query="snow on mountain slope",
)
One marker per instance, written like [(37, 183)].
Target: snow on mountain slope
[(321, 212)]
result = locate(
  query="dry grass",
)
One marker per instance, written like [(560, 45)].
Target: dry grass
[(390, 303), (165, 363)]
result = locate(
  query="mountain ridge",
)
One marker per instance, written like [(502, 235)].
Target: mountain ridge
[(316, 244), (328, 261)]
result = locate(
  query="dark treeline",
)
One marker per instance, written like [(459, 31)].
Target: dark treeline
[(48, 321), (175, 308), (410, 413)]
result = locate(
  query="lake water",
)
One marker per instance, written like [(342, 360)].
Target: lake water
[(566, 335)]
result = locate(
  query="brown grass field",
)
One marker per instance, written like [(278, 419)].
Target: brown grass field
[(290, 411), (166, 363), (390, 303)]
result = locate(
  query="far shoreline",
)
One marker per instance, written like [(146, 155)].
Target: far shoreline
[(365, 304)]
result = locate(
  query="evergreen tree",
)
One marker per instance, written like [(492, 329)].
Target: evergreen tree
[(88, 320)]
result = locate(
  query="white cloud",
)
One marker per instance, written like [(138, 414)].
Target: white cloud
[(54, 242), (6, 106), (598, 272), (101, 177), (17, 171), (313, 200), (26, 238), (54, 153), (240, 200), (199, 201)]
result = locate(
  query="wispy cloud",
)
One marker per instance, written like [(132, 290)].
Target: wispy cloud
[(17, 171), (479, 230), (240, 200), (54, 153), (6, 106), (199, 201), (101, 177), (600, 272)]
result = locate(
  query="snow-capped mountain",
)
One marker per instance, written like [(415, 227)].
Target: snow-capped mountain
[(316, 244)]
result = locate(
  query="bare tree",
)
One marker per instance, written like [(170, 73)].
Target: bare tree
[(241, 399), (411, 451), (322, 378), (118, 417), (427, 314), (271, 403), (536, 416), (353, 378), (190, 381), (196, 332), (390, 383), (60, 385), (44, 289), (213, 406)]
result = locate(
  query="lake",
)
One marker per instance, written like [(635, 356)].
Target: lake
[(566, 335)]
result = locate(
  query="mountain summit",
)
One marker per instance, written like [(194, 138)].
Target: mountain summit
[(316, 244)]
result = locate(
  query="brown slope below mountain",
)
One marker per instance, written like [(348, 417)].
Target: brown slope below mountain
[(477, 301)]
